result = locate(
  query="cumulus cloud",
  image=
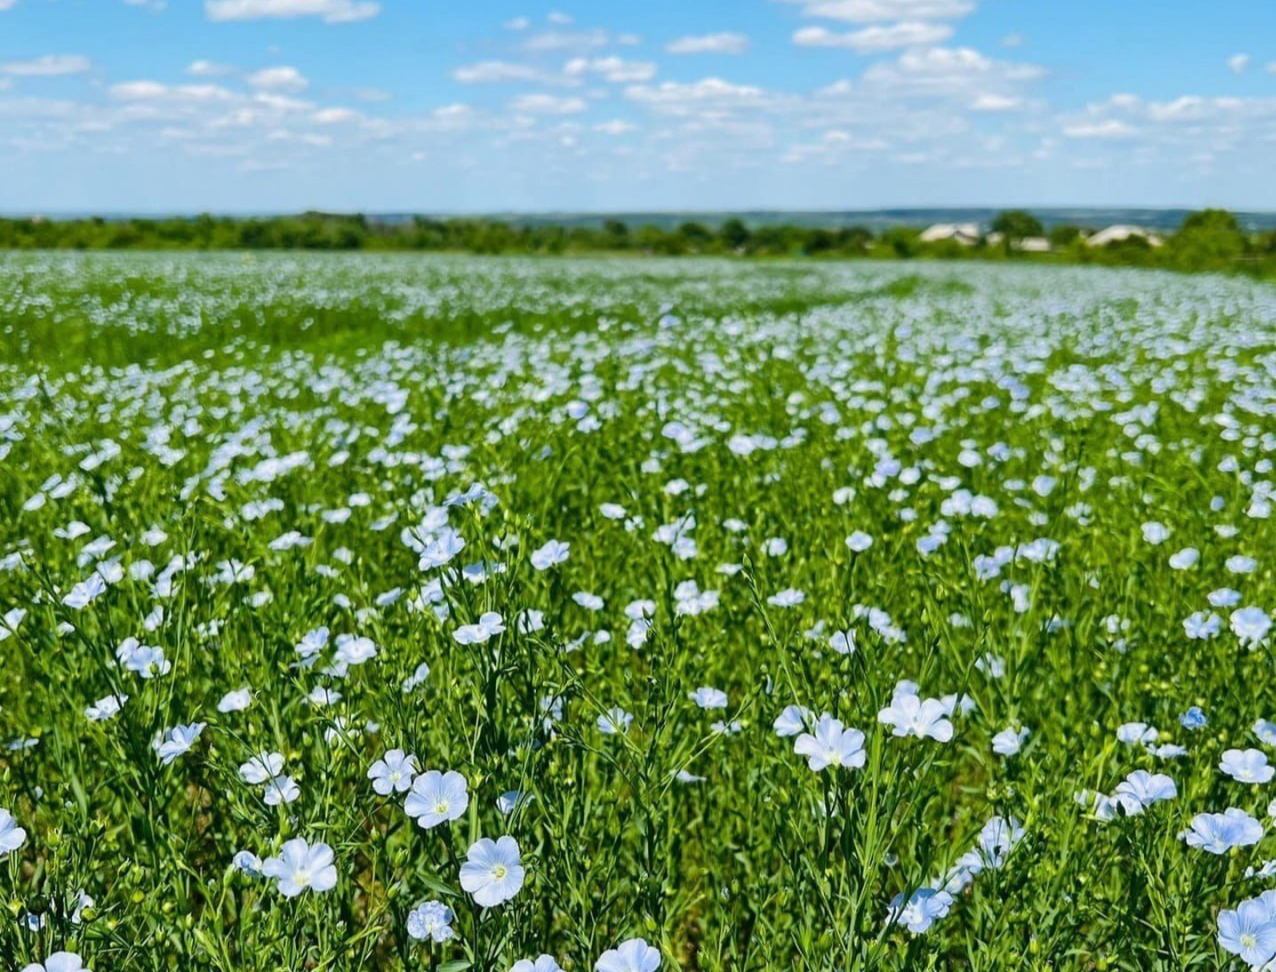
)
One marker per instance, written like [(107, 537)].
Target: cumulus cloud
[(335, 116), (557, 40), (48, 66), (155, 91), (503, 72), (208, 69), (1238, 63), (611, 69), (875, 39), (287, 79), (881, 11), (1111, 128), (544, 104), (996, 102), (721, 43), (616, 126), (329, 11), (708, 97)]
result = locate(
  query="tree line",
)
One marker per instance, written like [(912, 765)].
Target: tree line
[(1211, 239)]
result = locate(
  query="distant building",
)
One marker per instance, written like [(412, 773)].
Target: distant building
[(967, 234), (1120, 233)]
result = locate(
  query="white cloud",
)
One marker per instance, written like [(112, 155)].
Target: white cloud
[(555, 40), (155, 91), (502, 72), (723, 43), (615, 127), (138, 90), (611, 69), (335, 116), (1012, 40), (51, 65), (560, 19), (996, 102), (1099, 129), (712, 96), (880, 11), (874, 39), (543, 104), (951, 72), (287, 79), (1271, 68), (208, 69), (518, 23), (330, 11), (1238, 63), (7, 5)]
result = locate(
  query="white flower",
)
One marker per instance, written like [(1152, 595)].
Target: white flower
[(437, 798), (1250, 624), (105, 708), (709, 698), (247, 862), (489, 623), (550, 555), (1008, 742), (921, 909), (909, 715), (793, 720), (1247, 765), (393, 772), (492, 872), (58, 962), (546, 963), (235, 701), (176, 741), (282, 789), (300, 866), (843, 642), (261, 768), (432, 920), (634, 955), (832, 744), (11, 835), (614, 720), (859, 541)]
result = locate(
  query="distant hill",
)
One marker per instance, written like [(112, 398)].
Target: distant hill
[(874, 219)]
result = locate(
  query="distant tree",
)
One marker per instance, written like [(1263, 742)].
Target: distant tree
[(1211, 239), (695, 236), (1016, 225), (652, 239), (616, 233), (819, 241), (1064, 235), (854, 239), (903, 241), (734, 234)]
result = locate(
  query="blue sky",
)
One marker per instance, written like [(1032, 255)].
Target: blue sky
[(496, 105)]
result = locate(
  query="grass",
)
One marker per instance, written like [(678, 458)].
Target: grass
[(247, 449)]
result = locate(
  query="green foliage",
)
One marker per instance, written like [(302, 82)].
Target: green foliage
[(1211, 240), (1016, 224), (252, 445)]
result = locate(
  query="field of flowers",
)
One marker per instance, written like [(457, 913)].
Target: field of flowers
[(401, 613)]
